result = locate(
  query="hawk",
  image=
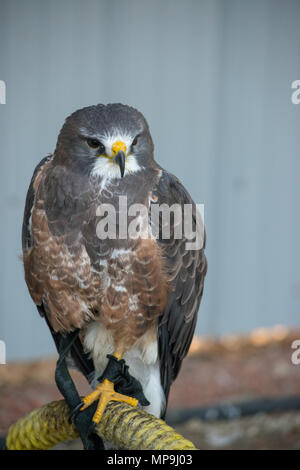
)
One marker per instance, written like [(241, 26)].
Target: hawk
[(133, 300)]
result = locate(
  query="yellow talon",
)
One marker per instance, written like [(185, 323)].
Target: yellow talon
[(105, 392)]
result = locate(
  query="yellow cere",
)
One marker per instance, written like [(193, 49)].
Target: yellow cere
[(118, 146)]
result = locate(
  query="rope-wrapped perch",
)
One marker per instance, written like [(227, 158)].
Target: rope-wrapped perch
[(121, 424)]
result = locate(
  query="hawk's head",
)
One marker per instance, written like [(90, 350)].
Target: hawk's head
[(106, 140)]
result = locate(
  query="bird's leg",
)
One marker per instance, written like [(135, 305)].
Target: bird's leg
[(105, 391)]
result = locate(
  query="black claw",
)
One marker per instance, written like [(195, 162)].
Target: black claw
[(74, 413)]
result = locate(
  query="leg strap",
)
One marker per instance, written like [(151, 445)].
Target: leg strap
[(65, 384), (117, 372)]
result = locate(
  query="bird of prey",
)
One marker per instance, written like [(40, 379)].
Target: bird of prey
[(133, 300)]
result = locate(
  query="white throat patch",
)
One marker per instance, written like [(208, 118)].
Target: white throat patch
[(106, 167)]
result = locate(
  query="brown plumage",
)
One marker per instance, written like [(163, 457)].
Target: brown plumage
[(134, 288)]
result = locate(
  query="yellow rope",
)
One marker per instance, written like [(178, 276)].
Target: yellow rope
[(121, 424)]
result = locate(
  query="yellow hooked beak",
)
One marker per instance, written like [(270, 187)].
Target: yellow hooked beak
[(117, 147)]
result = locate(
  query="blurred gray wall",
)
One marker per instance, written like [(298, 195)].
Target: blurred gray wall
[(213, 78)]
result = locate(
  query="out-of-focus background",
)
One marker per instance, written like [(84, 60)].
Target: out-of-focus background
[(214, 80)]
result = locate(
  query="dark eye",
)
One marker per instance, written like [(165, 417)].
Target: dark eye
[(95, 144), (134, 142)]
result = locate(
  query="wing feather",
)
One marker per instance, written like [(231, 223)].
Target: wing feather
[(186, 270), (78, 356)]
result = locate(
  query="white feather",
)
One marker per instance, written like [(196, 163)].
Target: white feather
[(108, 169)]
